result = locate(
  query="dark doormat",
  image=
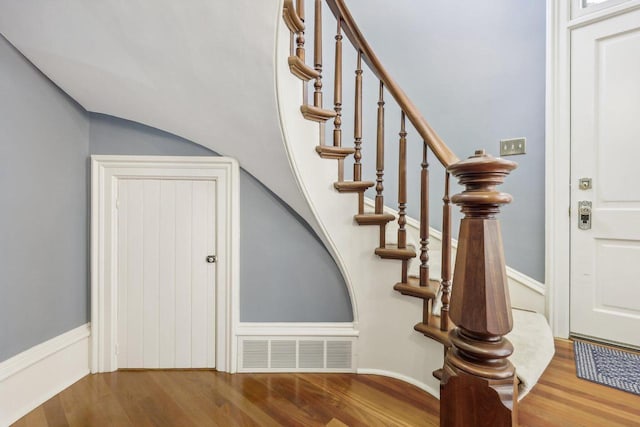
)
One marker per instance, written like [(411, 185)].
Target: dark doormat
[(607, 366)]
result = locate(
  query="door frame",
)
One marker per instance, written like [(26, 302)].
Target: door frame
[(105, 172), (560, 23)]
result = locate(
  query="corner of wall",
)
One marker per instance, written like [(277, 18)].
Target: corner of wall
[(34, 376)]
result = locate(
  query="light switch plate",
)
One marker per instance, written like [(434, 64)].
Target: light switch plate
[(513, 146)]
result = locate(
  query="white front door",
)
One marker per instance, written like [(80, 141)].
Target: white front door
[(605, 147), (166, 286)]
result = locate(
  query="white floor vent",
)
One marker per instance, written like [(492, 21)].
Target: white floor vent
[(255, 354), (283, 354), (296, 354)]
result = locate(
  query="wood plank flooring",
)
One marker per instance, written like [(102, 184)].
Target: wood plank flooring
[(562, 399), (209, 398)]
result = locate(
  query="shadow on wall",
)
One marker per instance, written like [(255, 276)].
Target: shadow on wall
[(286, 273)]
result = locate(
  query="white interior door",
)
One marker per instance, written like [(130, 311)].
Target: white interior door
[(605, 146), (166, 286)]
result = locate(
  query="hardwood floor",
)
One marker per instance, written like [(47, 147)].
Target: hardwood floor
[(209, 398), (562, 399)]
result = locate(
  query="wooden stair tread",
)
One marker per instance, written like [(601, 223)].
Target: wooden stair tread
[(438, 373), (413, 288), (392, 252), (331, 152), (317, 114), (301, 70), (353, 186), (373, 218), (291, 18), (432, 330)]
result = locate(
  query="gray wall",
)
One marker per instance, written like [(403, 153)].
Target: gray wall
[(476, 70), (44, 143), (286, 274)]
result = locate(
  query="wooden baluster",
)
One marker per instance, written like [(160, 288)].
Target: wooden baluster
[(446, 256), (477, 376), (424, 229), (293, 22), (379, 200), (292, 44), (316, 112), (337, 99), (317, 54), (357, 132), (402, 185), (300, 39), (402, 194), (357, 127), (424, 218)]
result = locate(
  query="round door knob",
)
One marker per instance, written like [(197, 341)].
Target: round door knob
[(211, 259)]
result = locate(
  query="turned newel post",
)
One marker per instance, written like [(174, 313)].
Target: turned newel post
[(478, 387)]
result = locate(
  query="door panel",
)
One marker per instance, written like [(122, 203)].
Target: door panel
[(200, 268), (605, 146), (619, 298), (167, 274), (130, 262), (150, 208), (183, 271), (166, 316)]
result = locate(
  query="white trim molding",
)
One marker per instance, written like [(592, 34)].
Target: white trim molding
[(34, 376), (333, 329), (529, 282), (557, 164), (106, 170), (558, 149), (581, 16)]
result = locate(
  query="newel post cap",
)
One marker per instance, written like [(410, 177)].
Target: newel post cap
[(480, 174)]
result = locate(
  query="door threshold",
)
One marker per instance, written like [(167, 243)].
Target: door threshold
[(607, 343)]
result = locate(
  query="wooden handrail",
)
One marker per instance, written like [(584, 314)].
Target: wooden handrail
[(426, 132), (478, 385)]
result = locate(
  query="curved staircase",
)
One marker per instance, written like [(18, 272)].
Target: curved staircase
[(469, 313)]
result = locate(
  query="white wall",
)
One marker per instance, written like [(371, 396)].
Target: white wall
[(199, 69)]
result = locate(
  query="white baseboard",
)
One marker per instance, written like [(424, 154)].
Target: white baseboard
[(432, 391), (334, 329), (34, 376)]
